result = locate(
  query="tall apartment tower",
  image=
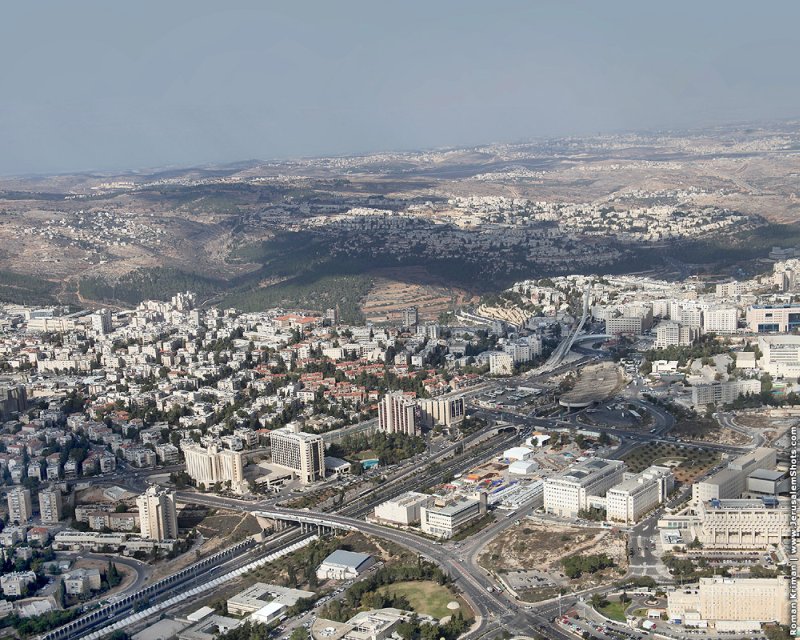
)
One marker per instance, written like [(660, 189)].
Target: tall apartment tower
[(410, 317), (101, 321), (397, 413), (303, 453), (157, 515), (19, 504), (51, 506)]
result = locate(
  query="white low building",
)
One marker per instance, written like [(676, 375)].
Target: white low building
[(402, 510), (344, 565), (443, 518)]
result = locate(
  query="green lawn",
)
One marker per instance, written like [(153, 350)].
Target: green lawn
[(614, 610), (426, 597)]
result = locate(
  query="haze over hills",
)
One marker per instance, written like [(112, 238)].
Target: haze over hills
[(448, 224)]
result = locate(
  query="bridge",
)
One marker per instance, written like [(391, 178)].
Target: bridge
[(564, 347), (309, 522)]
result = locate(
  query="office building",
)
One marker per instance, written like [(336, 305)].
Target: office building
[(158, 517), (443, 411), (50, 505), (780, 355), (397, 413), (742, 524), (213, 464), (629, 325), (731, 603), (402, 510), (571, 491), (688, 315), (765, 482), (732, 481), (444, 517), (629, 500), (259, 595), (19, 504), (773, 318), (303, 453), (718, 393)]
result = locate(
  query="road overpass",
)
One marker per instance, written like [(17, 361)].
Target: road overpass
[(494, 611)]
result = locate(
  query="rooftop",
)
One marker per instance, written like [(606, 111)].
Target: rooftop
[(342, 558)]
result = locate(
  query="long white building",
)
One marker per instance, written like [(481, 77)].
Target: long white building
[(404, 509), (722, 392), (443, 518), (731, 603), (444, 411), (731, 481), (628, 501), (570, 491), (742, 524), (212, 464), (780, 355)]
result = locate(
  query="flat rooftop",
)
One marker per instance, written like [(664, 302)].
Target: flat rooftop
[(342, 558), (766, 474)]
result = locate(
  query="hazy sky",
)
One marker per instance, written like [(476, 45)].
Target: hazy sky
[(127, 85)]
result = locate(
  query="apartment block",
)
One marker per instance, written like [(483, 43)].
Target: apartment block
[(397, 413), (410, 317), (444, 411), (50, 505), (501, 364), (718, 393), (81, 581), (19, 504), (158, 517), (213, 464), (16, 582)]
